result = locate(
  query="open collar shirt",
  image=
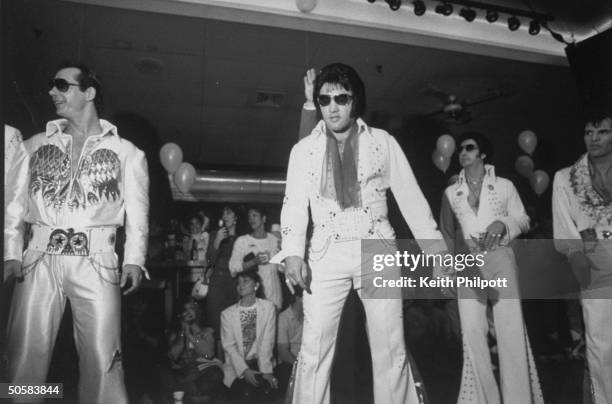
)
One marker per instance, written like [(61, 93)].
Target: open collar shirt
[(381, 165), (107, 186), (499, 200)]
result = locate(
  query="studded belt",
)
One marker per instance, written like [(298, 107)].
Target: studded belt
[(72, 241)]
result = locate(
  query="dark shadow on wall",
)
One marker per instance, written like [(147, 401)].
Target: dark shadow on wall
[(143, 134)]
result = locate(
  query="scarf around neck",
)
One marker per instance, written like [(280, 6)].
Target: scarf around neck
[(339, 179)]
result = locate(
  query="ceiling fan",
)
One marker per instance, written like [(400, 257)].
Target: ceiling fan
[(455, 110)]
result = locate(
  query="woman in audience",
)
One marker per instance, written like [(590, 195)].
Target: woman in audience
[(222, 289), (193, 366), (247, 335), (254, 250), (197, 230)]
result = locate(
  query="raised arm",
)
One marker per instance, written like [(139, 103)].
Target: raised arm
[(308, 116)]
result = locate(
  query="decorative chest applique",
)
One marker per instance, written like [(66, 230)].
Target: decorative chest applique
[(589, 200)]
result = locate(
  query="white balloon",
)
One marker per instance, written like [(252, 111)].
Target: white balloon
[(306, 6), (184, 177), (446, 145), (440, 160), (524, 166), (171, 157), (539, 181), (527, 141)]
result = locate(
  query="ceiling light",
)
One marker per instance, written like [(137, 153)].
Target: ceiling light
[(468, 14), (492, 16), (371, 1), (534, 27), (444, 9), (513, 23), (394, 4), (419, 7)]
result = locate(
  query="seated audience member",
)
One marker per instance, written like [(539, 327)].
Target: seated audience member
[(289, 337), (247, 336), (193, 366)]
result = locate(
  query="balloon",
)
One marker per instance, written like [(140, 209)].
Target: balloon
[(184, 177), (446, 145), (524, 166), (306, 6), (539, 181), (527, 141), (171, 157), (440, 160)]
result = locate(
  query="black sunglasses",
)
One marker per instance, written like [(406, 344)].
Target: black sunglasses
[(340, 99), (61, 84), (468, 147)]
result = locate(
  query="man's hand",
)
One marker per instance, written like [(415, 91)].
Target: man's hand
[(309, 79), (581, 267), (296, 273), (250, 376), (134, 273), (14, 267), (495, 232)]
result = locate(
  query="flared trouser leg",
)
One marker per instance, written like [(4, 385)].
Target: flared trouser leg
[(597, 314), (34, 318), (91, 284), (332, 277), (518, 375)]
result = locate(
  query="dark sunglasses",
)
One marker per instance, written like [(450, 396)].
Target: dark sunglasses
[(340, 99), (61, 84), (468, 147)]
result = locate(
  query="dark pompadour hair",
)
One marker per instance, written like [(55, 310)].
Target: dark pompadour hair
[(87, 78), (346, 77), (597, 113), (484, 144)]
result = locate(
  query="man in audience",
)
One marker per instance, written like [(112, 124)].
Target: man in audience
[(582, 220), (83, 181)]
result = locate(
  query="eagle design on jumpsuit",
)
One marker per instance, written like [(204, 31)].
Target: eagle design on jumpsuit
[(97, 178)]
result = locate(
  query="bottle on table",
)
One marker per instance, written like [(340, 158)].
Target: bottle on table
[(195, 254)]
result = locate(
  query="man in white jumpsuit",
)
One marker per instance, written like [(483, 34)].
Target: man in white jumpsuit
[(82, 182), (582, 219), (342, 171)]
